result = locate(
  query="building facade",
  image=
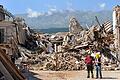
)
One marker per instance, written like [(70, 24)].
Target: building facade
[(116, 26), (12, 32)]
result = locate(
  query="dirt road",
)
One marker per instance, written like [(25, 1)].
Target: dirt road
[(73, 75)]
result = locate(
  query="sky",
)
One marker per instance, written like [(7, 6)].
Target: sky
[(38, 7)]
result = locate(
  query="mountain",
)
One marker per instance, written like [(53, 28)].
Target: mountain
[(60, 19)]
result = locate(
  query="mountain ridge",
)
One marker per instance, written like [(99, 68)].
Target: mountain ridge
[(61, 19)]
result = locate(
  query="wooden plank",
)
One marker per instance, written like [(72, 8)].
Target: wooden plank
[(5, 72), (12, 69)]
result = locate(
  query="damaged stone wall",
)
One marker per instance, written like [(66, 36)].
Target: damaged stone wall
[(74, 26)]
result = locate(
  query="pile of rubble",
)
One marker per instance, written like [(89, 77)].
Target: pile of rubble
[(58, 61), (66, 50)]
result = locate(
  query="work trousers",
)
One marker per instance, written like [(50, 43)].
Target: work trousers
[(90, 69)]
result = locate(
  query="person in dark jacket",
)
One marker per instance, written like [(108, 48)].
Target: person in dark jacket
[(89, 63)]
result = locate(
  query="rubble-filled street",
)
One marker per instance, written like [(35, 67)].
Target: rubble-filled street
[(73, 75)]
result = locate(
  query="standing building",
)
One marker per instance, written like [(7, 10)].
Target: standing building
[(116, 28), (13, 31)]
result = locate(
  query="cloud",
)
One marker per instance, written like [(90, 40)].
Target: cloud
[(70, 6), (70, 9), (32, 13), (51, 9), (103, 5), (49, 13)]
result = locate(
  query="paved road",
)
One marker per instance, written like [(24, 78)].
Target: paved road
[(73, 75)]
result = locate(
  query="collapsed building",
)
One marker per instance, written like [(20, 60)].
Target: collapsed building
[(66, 50), (60, 51), (69, 48)]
